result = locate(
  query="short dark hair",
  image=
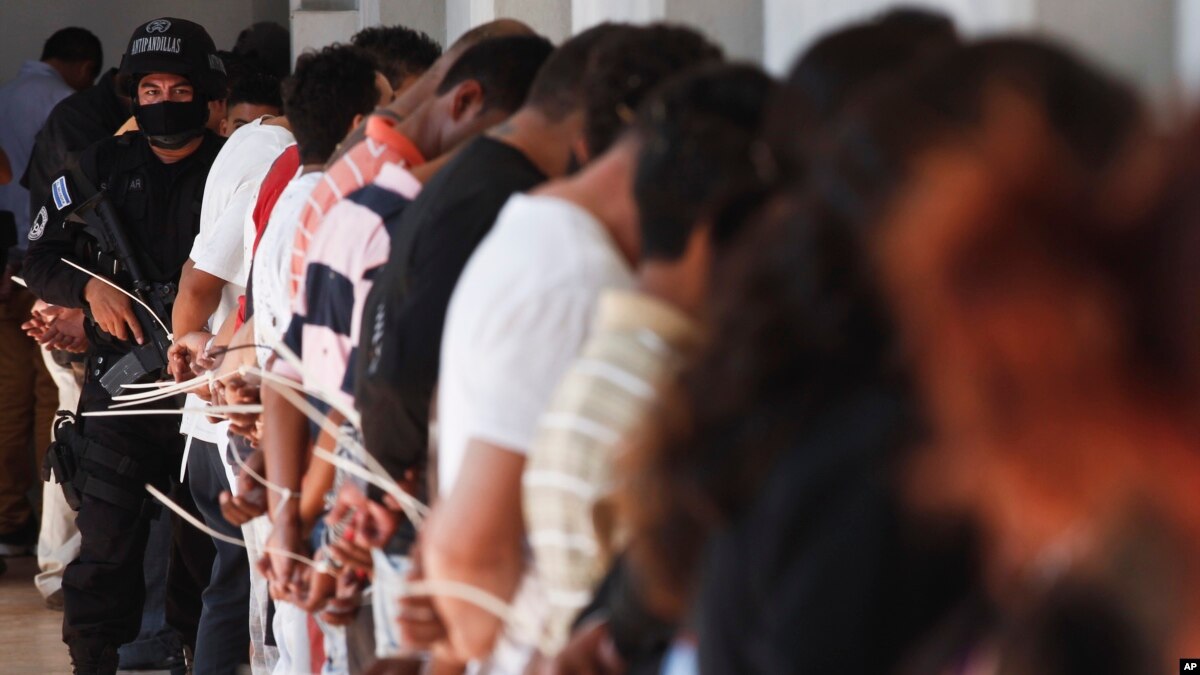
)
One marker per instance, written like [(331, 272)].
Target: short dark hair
[(557, 91), (504, 67), (74, 45), (399, 52), (256, 89), (843, 64), (837, 65), (699, 133), (324, 94), (267, 46), (628, 66)]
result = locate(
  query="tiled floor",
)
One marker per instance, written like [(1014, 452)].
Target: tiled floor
[(30, 634)]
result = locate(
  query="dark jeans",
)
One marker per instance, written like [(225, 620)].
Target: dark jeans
[(223, 642), (157, 642)]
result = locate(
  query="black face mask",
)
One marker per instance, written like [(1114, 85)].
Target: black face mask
[(171, 125)]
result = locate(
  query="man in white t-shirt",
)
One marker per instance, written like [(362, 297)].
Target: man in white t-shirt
[(520, 313), (518, 316), (212, 280)]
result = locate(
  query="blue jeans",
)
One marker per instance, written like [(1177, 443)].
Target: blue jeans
[(223, 639), (157, 643)]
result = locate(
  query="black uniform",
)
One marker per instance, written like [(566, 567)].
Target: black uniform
[(159, 208), (78, 121)]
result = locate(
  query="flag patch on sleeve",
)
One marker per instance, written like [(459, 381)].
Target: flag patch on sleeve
[(62, 198)]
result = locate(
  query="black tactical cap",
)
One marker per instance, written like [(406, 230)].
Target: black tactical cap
[(176, 46)]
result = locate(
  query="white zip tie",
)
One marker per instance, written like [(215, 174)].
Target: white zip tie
[(413, 508), (131, 295), (261, 480), (320, 567), (150, 385), (172, 389), (331, 398), (215, 411), (446, 588), (379, 476), (165, 393)]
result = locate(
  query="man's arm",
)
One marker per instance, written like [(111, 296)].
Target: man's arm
[(284, 445), (197, 299), (475, 537)]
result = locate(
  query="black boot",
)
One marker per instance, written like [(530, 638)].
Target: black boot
[(94, 659)]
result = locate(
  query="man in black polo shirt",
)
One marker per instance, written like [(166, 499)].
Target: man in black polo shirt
[(396, 368)]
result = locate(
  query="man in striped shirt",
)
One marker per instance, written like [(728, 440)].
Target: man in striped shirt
[(483, 88), (697, 137), (381, 143)]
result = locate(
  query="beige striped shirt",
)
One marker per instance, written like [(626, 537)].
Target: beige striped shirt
[(636, 342)]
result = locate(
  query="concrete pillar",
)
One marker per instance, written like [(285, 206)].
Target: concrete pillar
[(1187, 22), (736, 26), (1135, 39), (422, 15), (588, 13), (551, 18), (790, 26)]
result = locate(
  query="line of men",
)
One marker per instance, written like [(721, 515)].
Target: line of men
[(474, 264)]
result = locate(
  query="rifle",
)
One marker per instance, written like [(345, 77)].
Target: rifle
[(101, 222)]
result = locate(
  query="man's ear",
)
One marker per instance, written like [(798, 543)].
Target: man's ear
[(580, 149), (358, 119), (466, 95), (223, 128)]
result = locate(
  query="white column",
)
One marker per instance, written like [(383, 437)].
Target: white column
[(736, 25), (1134, 39), (463, 15), (1187, 22), (588, 13), (423, 15)]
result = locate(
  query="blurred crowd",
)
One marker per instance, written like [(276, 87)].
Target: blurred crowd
[(615, 356)]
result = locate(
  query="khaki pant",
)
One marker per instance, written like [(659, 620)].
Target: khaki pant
[(58, 540), (28, 399)]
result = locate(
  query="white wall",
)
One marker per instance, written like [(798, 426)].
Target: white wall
[(791, 25), (25, 24), (1187, 23)]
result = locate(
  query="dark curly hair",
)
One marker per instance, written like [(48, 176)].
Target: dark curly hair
[(257, 89), (399, 52), (800, 317), (627, 67), (327, 90)]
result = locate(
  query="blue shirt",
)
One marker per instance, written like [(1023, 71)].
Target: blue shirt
[(25, 102)]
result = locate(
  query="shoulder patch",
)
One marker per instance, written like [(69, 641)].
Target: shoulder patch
[(62, 198), (39, 225)]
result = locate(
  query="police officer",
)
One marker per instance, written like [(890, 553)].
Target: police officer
[(154, 179)]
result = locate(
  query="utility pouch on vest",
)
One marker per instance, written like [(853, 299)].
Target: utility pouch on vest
[(61, 458)]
